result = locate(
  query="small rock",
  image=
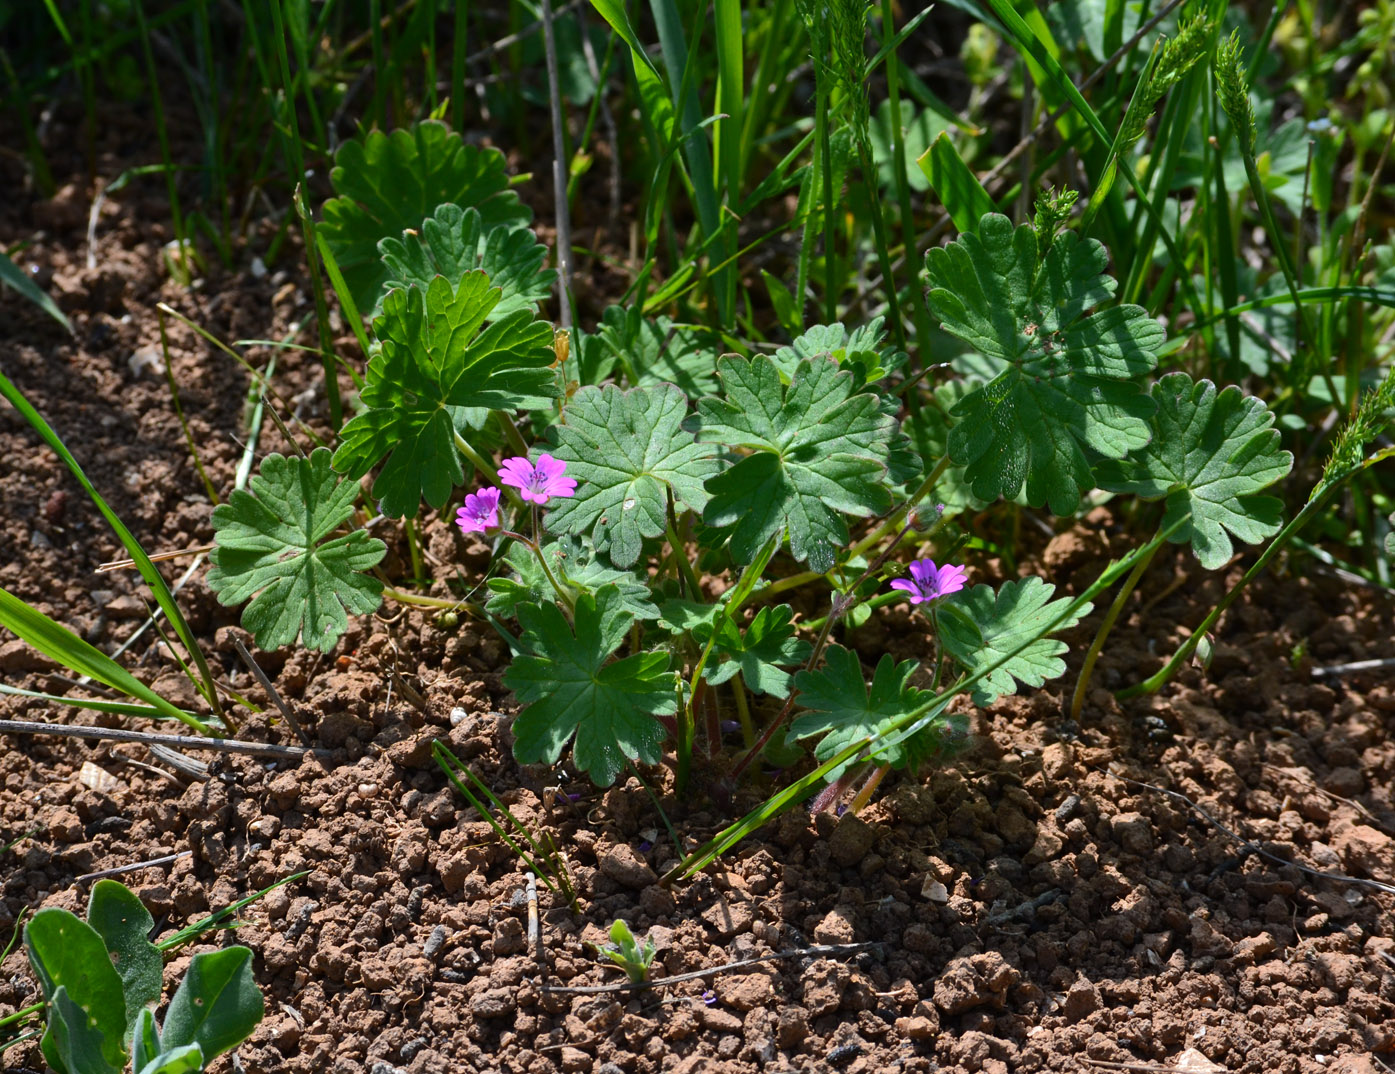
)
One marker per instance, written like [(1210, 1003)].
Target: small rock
[(974, 981), (1363, 847), (746, 991), (1254, 948), (622, 863), (1133, 833), (851, 840), (728, 918), (65, 827), (1193, 1062), (1206, 940), (1056, 761), (574, 1060), (1082, 999), (792, 1027), (495, 1003), (1346, 782), (824, 984), (718, 1019), (125, 606), (509, 937), (837, 926)]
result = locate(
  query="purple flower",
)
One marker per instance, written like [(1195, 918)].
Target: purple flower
[(929, 582), (480, 513), (536, 483)]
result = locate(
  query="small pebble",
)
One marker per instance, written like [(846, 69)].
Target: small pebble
[(367, 790)]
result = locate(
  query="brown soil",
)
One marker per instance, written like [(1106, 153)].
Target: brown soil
[(1029, 907)]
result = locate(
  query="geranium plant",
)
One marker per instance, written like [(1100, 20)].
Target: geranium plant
[(659, 498)]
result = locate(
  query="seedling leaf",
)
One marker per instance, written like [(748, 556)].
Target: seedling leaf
[(74, 1043), (388, 183), (571, 688), (455, 241), (815, 449), (271, 542), (628, 454), (1065, 379), (1210, 455), (844, 709), (433, 363), (124, 924), (990, 628), (68, 956), (181, 1060), (217, 1005)]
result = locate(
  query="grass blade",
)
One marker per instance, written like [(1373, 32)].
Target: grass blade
[(148, 571), (955, 184), (59, 643), (14, 276)]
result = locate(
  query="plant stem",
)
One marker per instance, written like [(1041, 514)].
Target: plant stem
[(478, 461), (864, 795), (413, 550), (559, 174), (422, 601), (1082, 683), (680, 555), (743, 712), (565, 593)]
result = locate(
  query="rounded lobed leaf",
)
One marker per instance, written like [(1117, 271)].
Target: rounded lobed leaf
[(271, 542), (1065, 376), (389, 183)]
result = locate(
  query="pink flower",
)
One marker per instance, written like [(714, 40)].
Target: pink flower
[(928, 582), (536, 483), (480, 513)]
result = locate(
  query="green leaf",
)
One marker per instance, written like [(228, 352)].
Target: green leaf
[(74, 1043), (271, 543), (1066, 376), (59, 643), (650, 351), (1390, 537), (456, 241), (571, 688), (1210, 455), (388, 183), (216, 1006), (844, 709), (434, 361), (990, 628), (181, 1060), (918, 131), (815, 450), (955, 184), (16, 277), (860, 350), (145, 1040), (573, 562), (760, 653), (628, 455), (124, 925), (68, 954)]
